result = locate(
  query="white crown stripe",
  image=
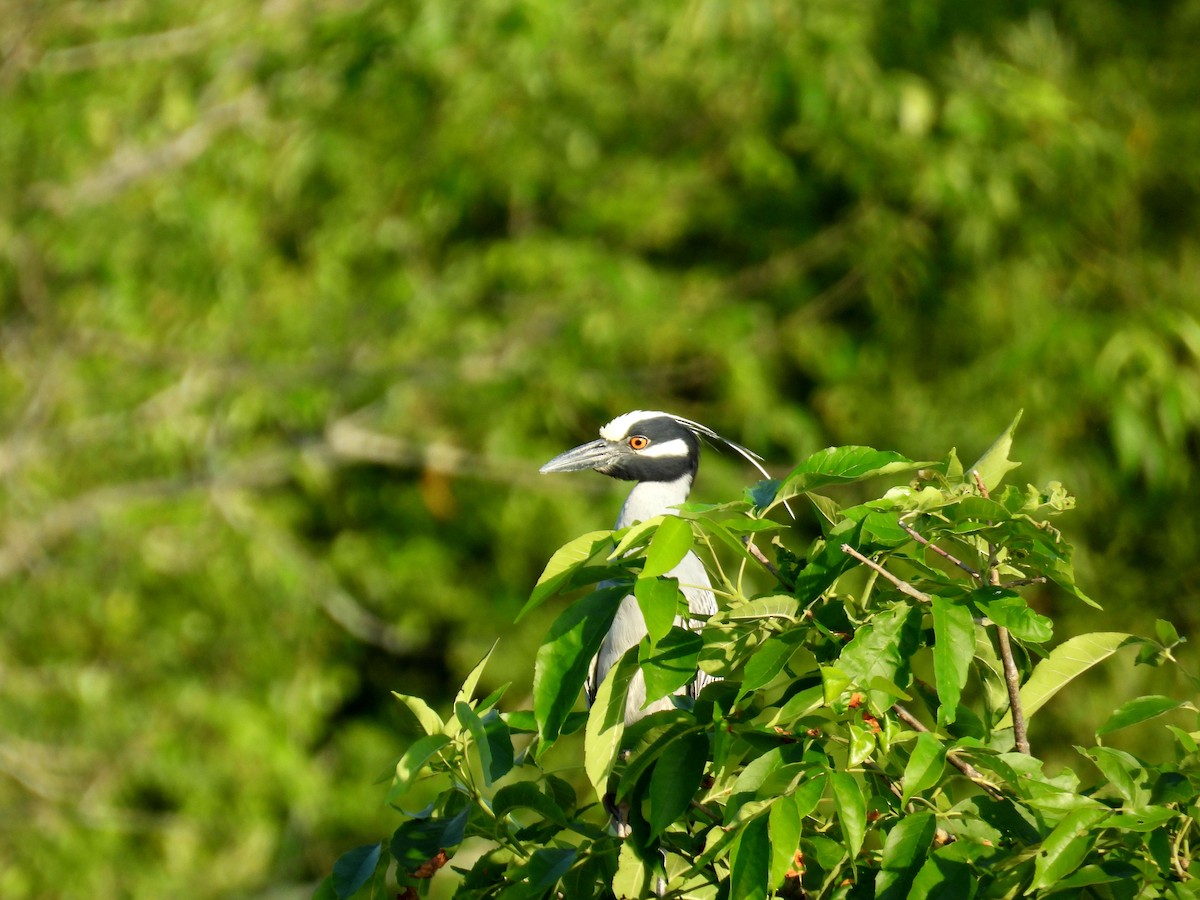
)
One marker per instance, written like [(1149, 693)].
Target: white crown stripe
[(619, 427)]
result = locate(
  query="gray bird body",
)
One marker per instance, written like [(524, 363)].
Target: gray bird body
[(647, 500)]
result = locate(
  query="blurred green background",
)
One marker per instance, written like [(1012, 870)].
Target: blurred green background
[(296, 296)]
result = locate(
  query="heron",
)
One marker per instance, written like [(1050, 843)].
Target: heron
[(660, 453)]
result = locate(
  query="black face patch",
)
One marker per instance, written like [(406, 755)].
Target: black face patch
[(633, 466)]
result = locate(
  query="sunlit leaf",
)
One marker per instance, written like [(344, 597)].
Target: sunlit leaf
[(925, 766), (566, 559), (658, 598), (851, 808), (1065, 663), (606, 721), (565, 656), (750, 860), (995, 464), (670, 544), (1139, 710)]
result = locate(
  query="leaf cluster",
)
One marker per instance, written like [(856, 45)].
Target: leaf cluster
[(865, 734)]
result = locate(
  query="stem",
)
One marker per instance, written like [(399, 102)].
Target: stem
[(924, 541), (903, 586), (766, 563)]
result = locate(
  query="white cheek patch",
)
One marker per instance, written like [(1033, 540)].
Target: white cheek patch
[(676, 448), (618, 428)]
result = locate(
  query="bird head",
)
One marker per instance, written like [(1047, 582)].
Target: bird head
[(644, 446)]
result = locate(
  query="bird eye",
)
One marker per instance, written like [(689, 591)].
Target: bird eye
[(638, 442)]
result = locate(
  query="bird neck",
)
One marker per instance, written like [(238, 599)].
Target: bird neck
[(654, 498)]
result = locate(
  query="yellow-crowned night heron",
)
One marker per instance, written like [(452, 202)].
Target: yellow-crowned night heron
[(660, 452)]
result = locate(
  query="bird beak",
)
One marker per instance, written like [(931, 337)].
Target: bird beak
[(591, 455)]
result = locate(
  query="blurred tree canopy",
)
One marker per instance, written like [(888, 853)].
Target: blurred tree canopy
[(296, 296)]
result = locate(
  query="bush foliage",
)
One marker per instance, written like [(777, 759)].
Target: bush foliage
[(867, 736)]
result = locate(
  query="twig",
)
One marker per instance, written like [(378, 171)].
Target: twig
[(1023, 582), (1012, 680), (921, 539), (766, 563), (961, 764), (979, 484), (903, 586)]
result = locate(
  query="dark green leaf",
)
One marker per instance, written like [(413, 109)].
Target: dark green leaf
[(418, 840), (749, 862), (767, 662), (675, 779), (526, 795), (1066, 846), (354, 868), (904, 853), (953, 650), (547, 866), (565, 656), (1010, 611)]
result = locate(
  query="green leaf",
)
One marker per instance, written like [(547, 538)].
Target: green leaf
[(953, 650), (354, 868), (563, 660), (841, 465), (492, 740), (749, 861), (1066, 846), (882, 649), (925, 766), (566, 559), (851, 810), (1124, 772), (1065, 663), (904, 852), (409, 768), (606, 722), (675, 780), (671, 664), (784, 823), (526, 795), (1010, 611), (474, 726), (658, 599), (467, 691), (1139, 710), (767, 662), (995, 464), (670, 544), (429, 720), (417, 841), (547, 866), (776, 606)]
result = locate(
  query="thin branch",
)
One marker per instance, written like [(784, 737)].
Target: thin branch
[(766, 563), (903, 586), (961, 764), (1012, 678), (921, 539)]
